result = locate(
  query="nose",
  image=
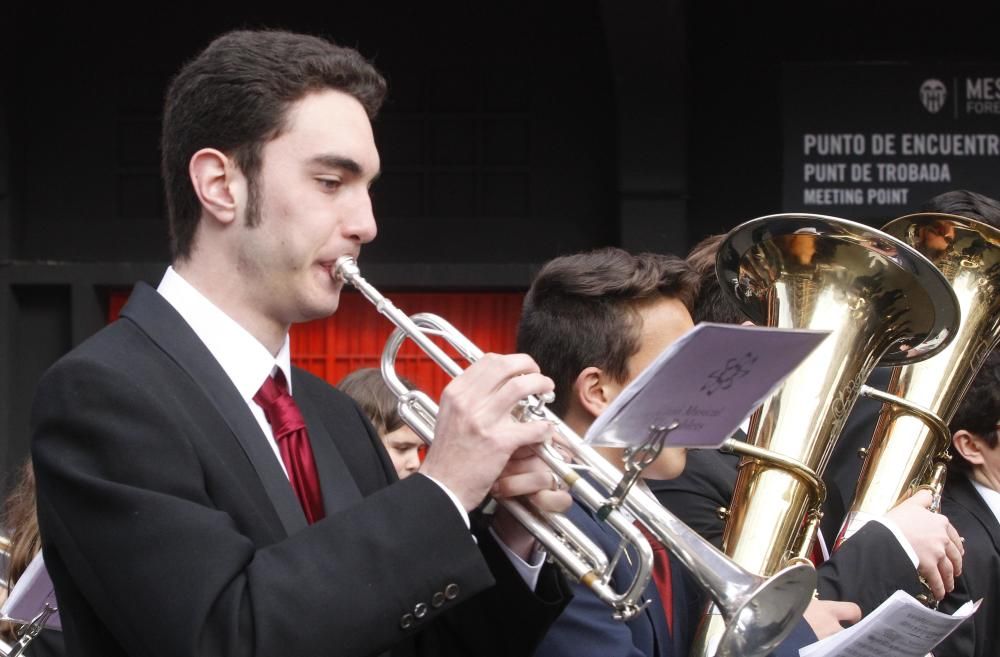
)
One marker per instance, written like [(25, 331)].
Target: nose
[(361, 226), (413, 461)]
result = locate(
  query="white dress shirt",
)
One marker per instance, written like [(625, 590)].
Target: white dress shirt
[(990, 496), (244, 359)]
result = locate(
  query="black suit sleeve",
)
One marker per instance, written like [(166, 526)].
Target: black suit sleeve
[(867, 569), (481, 625)]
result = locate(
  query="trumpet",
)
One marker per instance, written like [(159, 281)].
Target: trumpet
[(760, 612)]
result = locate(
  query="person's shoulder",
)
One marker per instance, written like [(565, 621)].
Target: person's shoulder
[(318, 387), (327, 399), (116, 348), (961, 503), (703, 468)]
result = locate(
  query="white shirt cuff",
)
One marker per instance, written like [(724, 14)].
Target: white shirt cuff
[(454, 499), (528, 571), (898, 533)]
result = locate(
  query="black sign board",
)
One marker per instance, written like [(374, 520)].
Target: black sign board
[(870, 142)]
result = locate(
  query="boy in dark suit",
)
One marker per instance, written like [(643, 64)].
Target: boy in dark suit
[(594, 321), (971, 501)]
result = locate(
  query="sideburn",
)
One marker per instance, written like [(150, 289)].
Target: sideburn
[(253, 200)]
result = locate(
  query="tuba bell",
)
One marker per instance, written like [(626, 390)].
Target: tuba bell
[(910, 446), (882, 302)]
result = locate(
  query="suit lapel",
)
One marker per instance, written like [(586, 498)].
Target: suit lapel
[(164, 325), (964, 493), (336, 482)]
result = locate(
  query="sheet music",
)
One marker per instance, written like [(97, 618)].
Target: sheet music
[(708, 381), (900, 627), (32, 592)]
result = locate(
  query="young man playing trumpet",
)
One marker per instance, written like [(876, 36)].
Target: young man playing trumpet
[(593, 321), (197, 495)]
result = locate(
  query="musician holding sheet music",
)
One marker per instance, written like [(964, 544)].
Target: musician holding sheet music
[(594, 321)]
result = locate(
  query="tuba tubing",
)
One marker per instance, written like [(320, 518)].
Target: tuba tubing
[(876, 296), (759, 612), (910, 445)]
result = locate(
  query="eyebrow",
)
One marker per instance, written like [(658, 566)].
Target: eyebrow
[(340, 162)]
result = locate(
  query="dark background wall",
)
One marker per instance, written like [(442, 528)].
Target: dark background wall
[(514, 132)]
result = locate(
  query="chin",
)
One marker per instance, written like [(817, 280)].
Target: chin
[(669, 464), (320, 306)]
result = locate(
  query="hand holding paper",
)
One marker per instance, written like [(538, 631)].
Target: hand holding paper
[(900, 627)]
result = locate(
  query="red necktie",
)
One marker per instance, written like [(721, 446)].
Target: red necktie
[(816, 555), (289, 430), (661, 575)]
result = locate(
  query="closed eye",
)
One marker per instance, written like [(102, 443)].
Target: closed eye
[(329, 184)]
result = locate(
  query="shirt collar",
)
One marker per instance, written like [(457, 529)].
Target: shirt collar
[(245, 359), (991, 497)]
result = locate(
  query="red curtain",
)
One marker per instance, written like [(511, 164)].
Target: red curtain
[(354, 337)]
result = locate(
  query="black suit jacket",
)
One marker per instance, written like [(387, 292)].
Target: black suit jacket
[(972, 518), (866, 569), (169, 528)]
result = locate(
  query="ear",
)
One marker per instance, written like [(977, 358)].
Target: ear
[(969, 446), (593, 390), (218, 183)]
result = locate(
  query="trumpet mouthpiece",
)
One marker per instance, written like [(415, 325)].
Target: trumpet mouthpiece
[(345, 267)]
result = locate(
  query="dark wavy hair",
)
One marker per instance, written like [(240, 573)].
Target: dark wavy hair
[(966, 204), (712, 303), (235, 97), (583, 311)]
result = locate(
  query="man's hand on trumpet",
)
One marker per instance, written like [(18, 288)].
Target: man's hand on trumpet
[(526, 475), (479, 447)]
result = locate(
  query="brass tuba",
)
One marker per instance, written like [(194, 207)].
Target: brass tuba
[(882, 302), (909, 448), (758, 612)]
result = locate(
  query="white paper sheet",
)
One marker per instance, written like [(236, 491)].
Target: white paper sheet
[(32, 592), (708, 381), (900, 627)]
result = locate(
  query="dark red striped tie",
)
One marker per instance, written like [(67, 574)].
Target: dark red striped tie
[(289, 430)]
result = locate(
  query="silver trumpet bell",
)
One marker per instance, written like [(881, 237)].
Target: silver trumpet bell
[(759, 612)]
